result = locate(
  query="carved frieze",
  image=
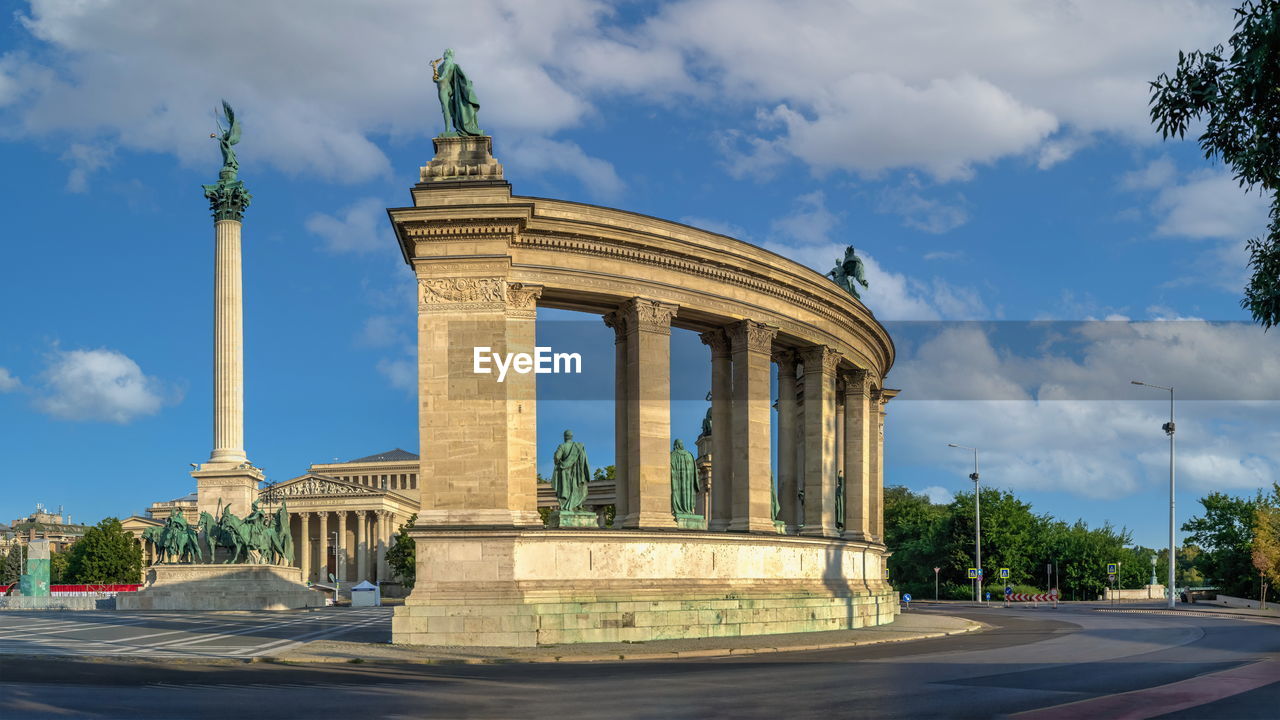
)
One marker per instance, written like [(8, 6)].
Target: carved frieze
[(648, 315), (314, 486), (752, 336), (461, 293), (522, 300)]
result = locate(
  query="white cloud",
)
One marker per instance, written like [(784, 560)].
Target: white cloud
[(85, 160), (1063, 416), (102, 385), (8, 382), (1155, 175), (923, 213), (810, 223), (362, 228), (535, 156), (381, 331), (402, 373), (944, 255), (871, 86), (938, 495), (1210, 204)]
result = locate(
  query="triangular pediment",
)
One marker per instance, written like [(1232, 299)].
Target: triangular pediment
[(316, 485)]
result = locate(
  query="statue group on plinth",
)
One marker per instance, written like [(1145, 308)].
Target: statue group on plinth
[(849, 273), (261, 538)]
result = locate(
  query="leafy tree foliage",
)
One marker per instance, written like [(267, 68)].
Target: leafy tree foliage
[(1225, 531), (402, 556), (1266, 546), (106, 554), (1237, 95), (15, 564)]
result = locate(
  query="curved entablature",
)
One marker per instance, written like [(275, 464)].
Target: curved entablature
[(593, 259)]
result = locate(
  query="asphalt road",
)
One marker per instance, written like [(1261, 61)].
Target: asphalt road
[(1033, 661)]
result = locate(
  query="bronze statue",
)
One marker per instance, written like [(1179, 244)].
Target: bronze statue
[(684, 480), (227, 137), (849, 273), (571, 473), (840, 500), (458, 100)]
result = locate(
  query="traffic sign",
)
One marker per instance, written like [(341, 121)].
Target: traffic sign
[(1004, 573), (973, 573), (937, 569), (1008, 590), (906, 597), (1111, 578), (1113, 568), (988, 596), (979, 571)]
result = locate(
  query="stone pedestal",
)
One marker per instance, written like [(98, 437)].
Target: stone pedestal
[(221, 587), (222, 484), (467, 157), (574, 519), (690, 521)]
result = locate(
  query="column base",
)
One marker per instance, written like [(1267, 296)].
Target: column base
[(481, 518), (753, 525), (718, 525), (574, 519), (648, 521), (857, 536), (829, 531)]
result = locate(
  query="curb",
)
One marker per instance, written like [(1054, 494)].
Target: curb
[(636, 656)]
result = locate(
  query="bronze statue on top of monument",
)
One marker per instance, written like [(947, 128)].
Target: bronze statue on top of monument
[(458, 101)]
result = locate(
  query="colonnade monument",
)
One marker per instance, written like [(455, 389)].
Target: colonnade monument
[(782, 559)]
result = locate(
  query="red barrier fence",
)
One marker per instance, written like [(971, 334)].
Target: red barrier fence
[(1050, 596)]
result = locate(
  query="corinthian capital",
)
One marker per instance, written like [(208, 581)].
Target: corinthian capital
[(648, 315), (752, 336)]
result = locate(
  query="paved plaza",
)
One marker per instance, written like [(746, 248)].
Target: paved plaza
[(186, 634)]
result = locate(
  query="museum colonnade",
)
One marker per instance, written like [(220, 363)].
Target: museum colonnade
[(830, 420), (350, 544)]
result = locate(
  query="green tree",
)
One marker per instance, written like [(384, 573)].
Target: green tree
[(58, 567), (1225, 532), (913, 526), (107, 554), (1237, 95), (1266, 547), (608, 472), (14, 565), (402, 556)]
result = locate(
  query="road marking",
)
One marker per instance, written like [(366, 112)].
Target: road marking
[(1164, 699)]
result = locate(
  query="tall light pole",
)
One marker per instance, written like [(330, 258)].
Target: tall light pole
[(977, 521), (1168, 429)]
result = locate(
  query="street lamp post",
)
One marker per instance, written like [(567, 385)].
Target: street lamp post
[(977, 522), (1168, 429)]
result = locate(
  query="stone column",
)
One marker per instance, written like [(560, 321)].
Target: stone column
[(362, 546), (721, 429), (621, 411), (857, 455), (480, 435), (820, 364), (383, 544), (304, 545), (788, 486), (752, 502), (228, 477), (648, 413), (798, 520), (340, 548), (322, 552), (877, 486)]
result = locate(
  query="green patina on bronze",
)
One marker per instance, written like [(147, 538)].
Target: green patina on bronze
[(571, 474), (840, 500), (849, 273), (684, 481), (228, 197), (458, 101), (259, 537)]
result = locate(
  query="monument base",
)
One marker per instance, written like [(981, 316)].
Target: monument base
[(574, 519), (221, 587), (462, 157), (690, 521), (547, 587)]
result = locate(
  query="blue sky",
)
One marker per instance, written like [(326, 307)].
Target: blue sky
[(993, 162)]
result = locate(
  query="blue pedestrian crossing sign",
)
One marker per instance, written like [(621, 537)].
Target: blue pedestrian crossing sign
[(988, 596), (1113, 568), (1004, 573), (973, 573), (906, 598)]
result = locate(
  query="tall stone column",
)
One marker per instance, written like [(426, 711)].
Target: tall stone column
[(621, 431), (362, 546), (820, 364), (383, 543), (788, 486), (877, 486), (648, 413), (721, 429), (340, 548), (857, 455), (469, 477), (304, 545), (322, 551), (227, 477), (798, 520), (752, 343)]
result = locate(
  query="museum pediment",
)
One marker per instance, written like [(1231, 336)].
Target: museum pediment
[(320, 486)]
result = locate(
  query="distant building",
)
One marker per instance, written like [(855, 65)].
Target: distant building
[(57, 529)]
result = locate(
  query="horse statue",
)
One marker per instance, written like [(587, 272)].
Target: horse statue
[(281, 538), (176, 538), (155, 535), (849, 272), (227, 532)]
